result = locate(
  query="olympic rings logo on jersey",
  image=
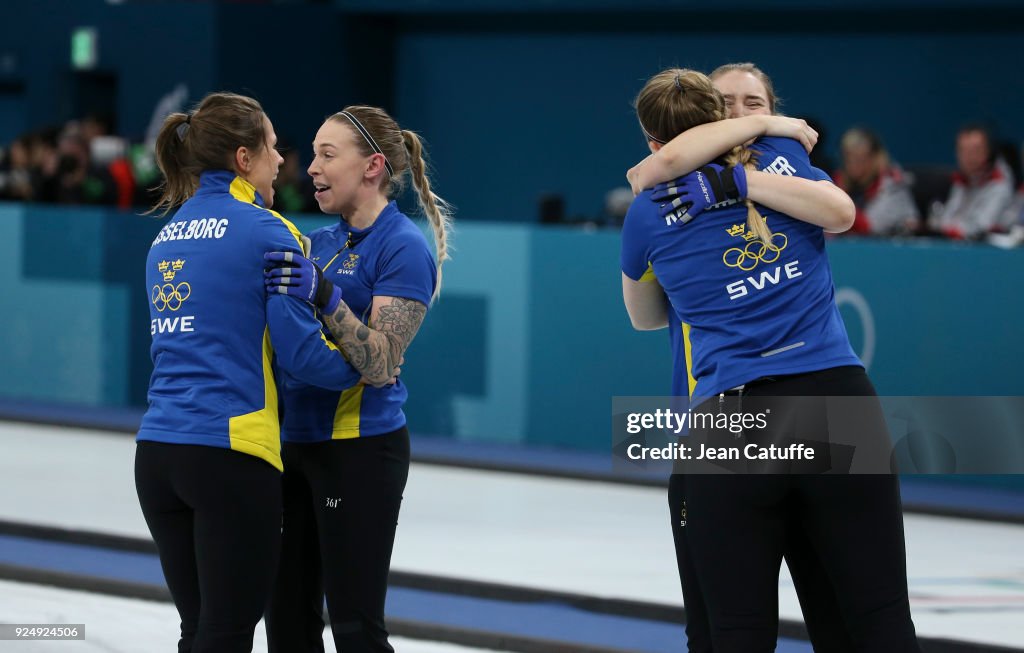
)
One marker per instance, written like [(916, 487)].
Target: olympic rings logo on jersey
[(754, 252), (170, 297)]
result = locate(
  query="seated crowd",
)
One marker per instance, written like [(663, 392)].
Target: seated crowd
[(981, 199)]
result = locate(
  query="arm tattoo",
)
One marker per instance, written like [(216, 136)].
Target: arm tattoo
[(375, 350)]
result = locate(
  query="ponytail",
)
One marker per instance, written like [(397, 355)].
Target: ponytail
[(756, 224), (172, 156), (378, 133), (206, 139), (437, 211)]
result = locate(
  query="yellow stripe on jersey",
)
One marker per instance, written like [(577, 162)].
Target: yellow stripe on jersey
[(346, 418), (649, 274), (242, 190), (259, 433), (334, 258), (299, 238), (330, 344), (304, 244), (691, 382)]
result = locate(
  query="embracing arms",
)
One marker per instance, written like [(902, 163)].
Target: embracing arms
[(375, 350), (687, 156), (819, 203), (695, 147)]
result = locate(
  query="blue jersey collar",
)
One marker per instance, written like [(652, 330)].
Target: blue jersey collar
[(221, 181), (386, 215)]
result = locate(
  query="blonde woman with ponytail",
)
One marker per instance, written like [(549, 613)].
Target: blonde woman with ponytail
[(732, 256), (372, 276)]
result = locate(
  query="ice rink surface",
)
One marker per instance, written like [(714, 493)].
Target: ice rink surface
[(116, 625), (599, 539)]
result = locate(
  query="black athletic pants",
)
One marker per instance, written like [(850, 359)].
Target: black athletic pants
[(738, 527), (341, 503), (215, 515), (824, 620)]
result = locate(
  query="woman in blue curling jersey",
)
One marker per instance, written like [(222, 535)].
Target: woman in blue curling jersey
[(756, 300), (346, 454), (208, 461), (751, 102)]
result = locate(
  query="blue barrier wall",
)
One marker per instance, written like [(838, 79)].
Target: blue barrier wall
[(66, 328), (529, 341), (939, 318)]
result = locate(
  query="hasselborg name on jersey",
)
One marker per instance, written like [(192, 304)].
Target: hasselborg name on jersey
[(193, 230)]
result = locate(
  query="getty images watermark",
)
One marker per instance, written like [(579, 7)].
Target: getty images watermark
[(819, 435), (668, 421)]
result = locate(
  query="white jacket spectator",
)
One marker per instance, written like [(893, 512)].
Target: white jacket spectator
[(878, 187), (982, 189)]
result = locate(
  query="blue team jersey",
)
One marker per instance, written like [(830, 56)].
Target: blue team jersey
[(677, 343), (391, 258), (745, 310), (215, 331)]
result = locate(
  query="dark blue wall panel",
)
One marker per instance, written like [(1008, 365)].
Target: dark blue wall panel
[(513, 116), (150, 47)]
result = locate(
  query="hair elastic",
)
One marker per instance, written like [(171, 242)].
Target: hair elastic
[(369, 139), (182, 128)]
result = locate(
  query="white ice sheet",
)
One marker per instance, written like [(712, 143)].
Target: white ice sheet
[(966, 577)]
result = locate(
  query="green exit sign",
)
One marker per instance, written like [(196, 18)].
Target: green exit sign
[(84, 48)]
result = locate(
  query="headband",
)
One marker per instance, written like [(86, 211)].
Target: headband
[(648, 134), (369, 139), (682, 90)]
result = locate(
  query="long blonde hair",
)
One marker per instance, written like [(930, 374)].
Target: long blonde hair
[(404, 151), (678, 99)]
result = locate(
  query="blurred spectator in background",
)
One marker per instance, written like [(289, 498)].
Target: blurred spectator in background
[(79, 181), (43, 163), (79, 163), (16, 173), (293, 190), (1014, 214), (551, 209), (72, 165), (112, 166), (616, 205), (146, 174), (110, 175), (1008, 152), (879, 188), (93, 126), (982, 189)]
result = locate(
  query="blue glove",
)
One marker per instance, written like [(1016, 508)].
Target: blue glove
[(685, 198), (294, 274)]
